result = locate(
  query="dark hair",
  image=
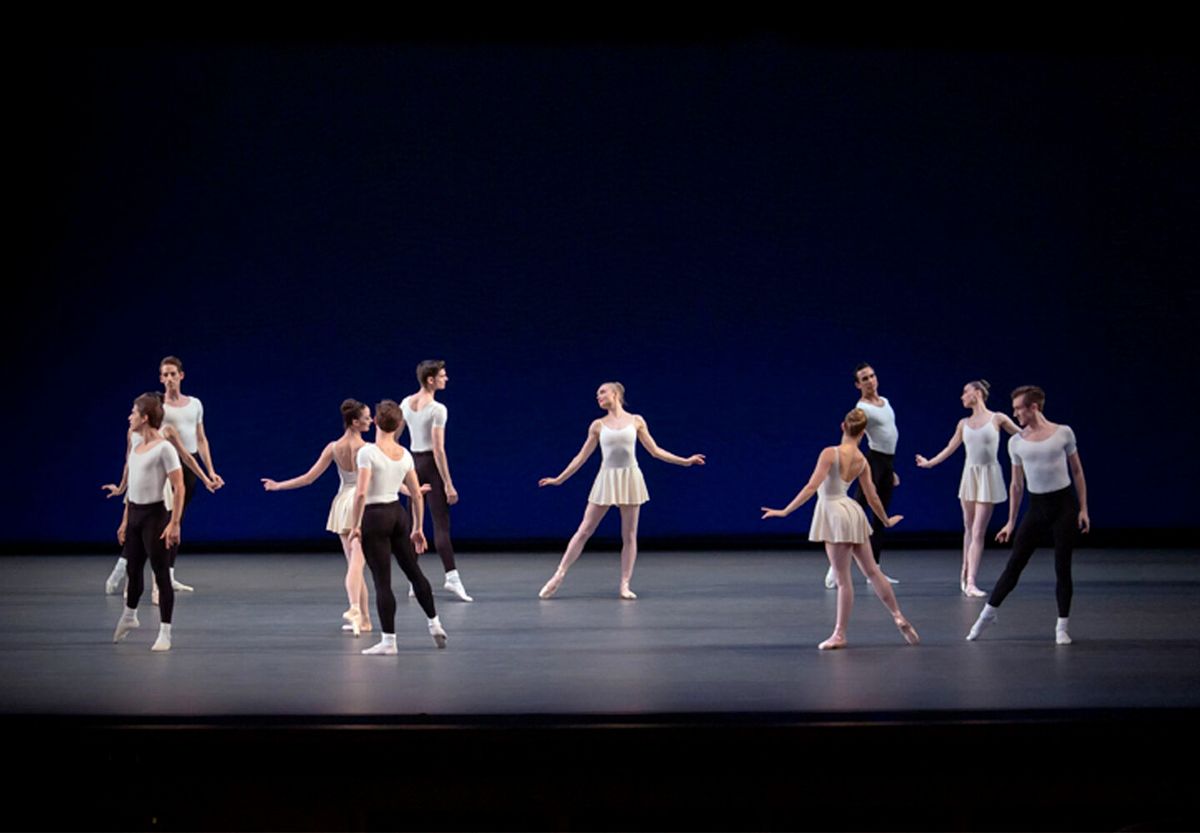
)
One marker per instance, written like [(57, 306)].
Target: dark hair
[(388, 416), (427, 368), (981, 385), (175, 360), (150, 406), (859, 367), (1031, 395), (351, 408)]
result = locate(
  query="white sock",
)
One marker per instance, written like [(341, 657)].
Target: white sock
[(119, 567), (452, 575), (986, 617), (125, 624), (386, 645), (437, 632), (163, 643), (1061, 636)]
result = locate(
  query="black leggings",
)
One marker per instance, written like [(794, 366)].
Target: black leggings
[(143, 530), (435, 499), (1055, 513), (882, 475), (385, 531), (189, 491)]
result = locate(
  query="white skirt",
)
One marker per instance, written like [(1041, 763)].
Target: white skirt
[(339, 512), (982, 484), (614, 487), (839, 520)]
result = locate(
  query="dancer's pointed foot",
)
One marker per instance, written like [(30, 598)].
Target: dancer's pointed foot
[(125, 624), (154, 593), (907, 631), (830, 579), (551, 587), (113, 583), (626, 593), (355, 621), (836, 640), (180, 587), (986, 618), (454, 585), (973, 592), (437, 632)]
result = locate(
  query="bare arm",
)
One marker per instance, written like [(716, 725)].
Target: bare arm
[(589, 445), (306, 479), (187, 458), (820, 471), (119, 489), (643, 432), (1085, 523), (172, 533), (1016, 491), (950, 448), (872, 496), (443, 465), (1005, 422), (360, 502), (124, 525), (417, 506), (206, 454)]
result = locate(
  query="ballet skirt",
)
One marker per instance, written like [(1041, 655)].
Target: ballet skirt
[(838, 519), (982, 480), (343, 504), (619, 480)]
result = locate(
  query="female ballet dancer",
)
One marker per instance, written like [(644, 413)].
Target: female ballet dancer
[(382, 525), (1045, 453), (356, 418), (618, 483), (982, 484), (147, 529), (426, 420), (842, 525)]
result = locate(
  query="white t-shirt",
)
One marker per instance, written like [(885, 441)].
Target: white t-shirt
[(421, 423), (1044, 462), (184, 419), (882, 433), (148, 470), (386, 474)]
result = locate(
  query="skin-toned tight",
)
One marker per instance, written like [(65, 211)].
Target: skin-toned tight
[(975, 521), (356, 584), (592, 516), (840, 556)]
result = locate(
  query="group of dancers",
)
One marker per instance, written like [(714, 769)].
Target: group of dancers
[(166, 433)]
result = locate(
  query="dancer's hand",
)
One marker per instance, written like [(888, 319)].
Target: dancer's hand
[(356, 532), (113, 490), (895, 479), (418, 539), (218, 481), (922, 463), (549, 481), (893, 520), (1085, 523), (121, 534), (451, 495), (772, 513), (171, 534), (426, 488), (269, 485), (210, 484), (1004, 533), (694, 460)]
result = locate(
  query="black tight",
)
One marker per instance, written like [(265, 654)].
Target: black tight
[(882, 475), (384, 532), (435, 499), (1054, 513), (189, 491), (143, 530)]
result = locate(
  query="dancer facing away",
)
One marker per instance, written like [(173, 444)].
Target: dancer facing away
[(426, 420), (842, 525), (356, 418), (618, 483), (982, 484), (183, 417), (881, 453), (382, 525), (1043, 453), (147, 529)]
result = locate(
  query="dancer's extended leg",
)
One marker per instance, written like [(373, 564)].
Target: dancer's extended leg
[(592, 516), (883, 589)]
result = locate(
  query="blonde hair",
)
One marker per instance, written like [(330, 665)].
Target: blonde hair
[(619, 388), (855, 422)]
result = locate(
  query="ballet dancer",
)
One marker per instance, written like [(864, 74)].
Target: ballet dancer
[(381, 524), (1045, 454), (982, 484), (184, 418), (618, 483), (147, 528), (426, 421), (841, 524), (881, 452), (356, 418)]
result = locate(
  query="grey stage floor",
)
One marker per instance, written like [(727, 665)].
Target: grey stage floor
[(712, 633)]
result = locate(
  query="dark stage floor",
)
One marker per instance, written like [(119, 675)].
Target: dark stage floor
[(703, 705)]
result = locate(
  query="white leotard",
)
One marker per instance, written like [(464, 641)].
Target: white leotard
[(184, 420), (386, 474), (982, 480), (837, 518), (1045, 461), (619, 481), (421, 423), (882, 433)]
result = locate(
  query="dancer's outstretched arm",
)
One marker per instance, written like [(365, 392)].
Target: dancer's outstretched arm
[(1076, 465), (868, 490), (589, 445), (306, 479), (651, 446), (824, 461), (118, 489), (1016, 491), (1005, 421), (950, 448)]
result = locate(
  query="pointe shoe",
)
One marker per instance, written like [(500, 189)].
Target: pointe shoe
[(908, 631), (551, 587), (973, 592), (890, 580), (355, 622), (437, 632), (833, 643), (626, 594), (454, 585), (154, 593), (113, 583), (124, 626), (830, 580)]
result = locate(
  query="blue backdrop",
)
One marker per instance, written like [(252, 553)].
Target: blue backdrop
[(726, 228)]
